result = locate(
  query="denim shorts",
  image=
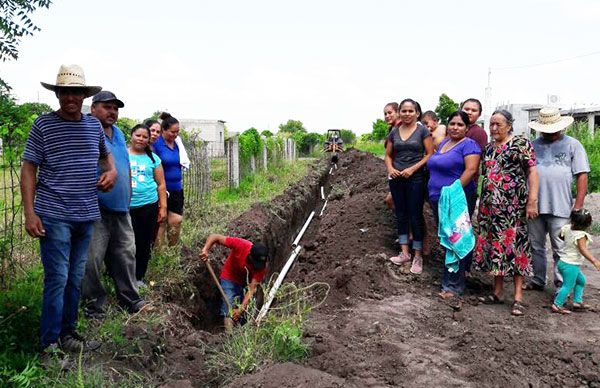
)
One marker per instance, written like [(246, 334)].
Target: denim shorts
[(233, 292)]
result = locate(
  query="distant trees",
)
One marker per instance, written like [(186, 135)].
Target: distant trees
[(292, 126), (380, 130), (445, 107)]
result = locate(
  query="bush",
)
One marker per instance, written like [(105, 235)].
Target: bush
[(591, 143)]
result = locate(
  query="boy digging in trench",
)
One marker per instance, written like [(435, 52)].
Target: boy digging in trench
[(247, 261)]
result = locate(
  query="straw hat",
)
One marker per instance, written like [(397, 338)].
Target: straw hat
[(71, 76), (550, 121)]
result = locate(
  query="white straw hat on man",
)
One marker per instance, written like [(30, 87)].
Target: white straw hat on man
[(550, 121), (72, 76)]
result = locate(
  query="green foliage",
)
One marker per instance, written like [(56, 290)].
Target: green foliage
[(591, 143), (15, 123), (348, 137), (15, 23), (380, 130), (376, 148), (266, 133), (37, 108), (250, 143), (292, 126), (445, 107), (125, 124), (306, 142)]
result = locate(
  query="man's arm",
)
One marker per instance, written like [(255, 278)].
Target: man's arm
[(210, 241), (33, 223), (109, 173), (247, 298), (581, 185)]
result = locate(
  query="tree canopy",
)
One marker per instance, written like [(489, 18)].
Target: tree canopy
[(15, 23), (445, 107), (292, 126), (380, 130)]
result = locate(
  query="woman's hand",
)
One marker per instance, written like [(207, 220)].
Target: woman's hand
[(162, 215), (407, 172), (394, 173), (531, 209)]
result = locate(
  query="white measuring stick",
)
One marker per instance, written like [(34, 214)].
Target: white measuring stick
[(322, 193), (308, 220), (273, 291), (330, 170), (323, 209)]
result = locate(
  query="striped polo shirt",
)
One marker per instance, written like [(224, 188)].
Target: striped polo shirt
[(66, 153)]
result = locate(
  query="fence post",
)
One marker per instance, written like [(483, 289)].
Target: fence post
[(233, 162), (253, 164), (264, 152), (206, 181)]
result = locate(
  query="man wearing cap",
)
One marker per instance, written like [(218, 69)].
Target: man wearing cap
[(247, 262), (113, 242), (559, 159), (59, 184)]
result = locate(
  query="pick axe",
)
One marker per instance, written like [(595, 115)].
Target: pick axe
[(218, 284)]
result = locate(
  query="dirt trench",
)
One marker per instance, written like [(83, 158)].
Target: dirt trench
[(381, 325)]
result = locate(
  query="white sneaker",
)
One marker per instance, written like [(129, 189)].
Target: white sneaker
[(400, 259)]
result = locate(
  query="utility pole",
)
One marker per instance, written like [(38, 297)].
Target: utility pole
[(487, 107)]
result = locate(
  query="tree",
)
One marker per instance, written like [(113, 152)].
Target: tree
[(380, 130), (37, 108), (125, 124), (445, 106), (266, 133), (305, 142), (348, 137), (292, 126), (15, 24)]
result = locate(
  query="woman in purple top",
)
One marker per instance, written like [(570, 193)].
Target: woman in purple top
[(408, 148), (457, 157)]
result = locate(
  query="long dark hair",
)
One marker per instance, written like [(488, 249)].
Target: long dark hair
[(463, 116), (147, 149), (581, 219), (415, 104)]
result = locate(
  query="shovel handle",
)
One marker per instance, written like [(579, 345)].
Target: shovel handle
[(216, 280)]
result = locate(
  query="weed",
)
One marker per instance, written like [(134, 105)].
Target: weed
[(376, 148)]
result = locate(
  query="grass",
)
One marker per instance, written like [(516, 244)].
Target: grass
[(20, 302), (376, 148)]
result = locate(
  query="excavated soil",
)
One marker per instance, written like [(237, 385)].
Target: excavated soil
[(381, 325)]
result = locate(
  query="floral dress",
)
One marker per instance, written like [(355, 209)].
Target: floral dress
[(503, 243)]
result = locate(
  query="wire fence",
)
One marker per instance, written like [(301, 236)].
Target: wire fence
[(213, 166)]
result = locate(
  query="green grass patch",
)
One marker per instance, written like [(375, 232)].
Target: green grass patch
[(376, 148)]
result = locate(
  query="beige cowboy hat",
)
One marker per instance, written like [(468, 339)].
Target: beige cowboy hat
[(71, 76), (550, 121)]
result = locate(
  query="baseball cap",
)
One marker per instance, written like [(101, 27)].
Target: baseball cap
[(106, 96), (258, 255)]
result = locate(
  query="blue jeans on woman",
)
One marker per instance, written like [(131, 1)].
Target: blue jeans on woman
[(408, 195), (454, 282), (64, 252)]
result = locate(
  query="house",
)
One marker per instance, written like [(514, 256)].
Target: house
[(210, 131), (591, 115)]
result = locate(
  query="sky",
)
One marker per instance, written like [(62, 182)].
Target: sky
[(329, 64)]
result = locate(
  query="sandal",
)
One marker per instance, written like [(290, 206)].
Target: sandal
[(490, 299), (517, 309), (559, 310), (580, 307)]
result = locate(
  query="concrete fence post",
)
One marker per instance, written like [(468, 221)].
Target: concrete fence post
[(264, 152), (233, 162), (253, 164)]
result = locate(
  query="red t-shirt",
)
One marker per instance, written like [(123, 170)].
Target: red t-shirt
[(478, 134), (236, 268)]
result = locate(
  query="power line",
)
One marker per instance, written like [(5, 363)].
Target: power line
[(547, 63)]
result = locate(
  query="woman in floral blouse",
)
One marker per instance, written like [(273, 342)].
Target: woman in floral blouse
[(508, 198)]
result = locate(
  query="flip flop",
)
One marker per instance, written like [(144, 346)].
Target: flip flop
[(580, 307), (559, 310), (532, 287), (517, 309), (490, 299)]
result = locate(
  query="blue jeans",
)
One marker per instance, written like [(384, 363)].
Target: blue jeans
[(64, 253), (539, 227), (408, 196), (234, 293), (455, 281)]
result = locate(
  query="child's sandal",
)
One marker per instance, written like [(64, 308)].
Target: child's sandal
[(560, 310), (517, 309)]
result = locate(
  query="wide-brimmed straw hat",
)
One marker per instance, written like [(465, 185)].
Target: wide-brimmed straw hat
[(71, 76), (550, 121)]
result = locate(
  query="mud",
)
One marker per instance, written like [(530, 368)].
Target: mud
[(380, 325)]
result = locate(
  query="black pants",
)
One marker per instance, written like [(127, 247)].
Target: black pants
[(143, 219)]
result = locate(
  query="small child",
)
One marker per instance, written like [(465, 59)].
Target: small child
[(576, 241)]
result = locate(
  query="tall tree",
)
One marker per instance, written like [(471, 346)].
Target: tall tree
[(445, 106), (380, 130), (15, 23), (292, 126), (348, 137)]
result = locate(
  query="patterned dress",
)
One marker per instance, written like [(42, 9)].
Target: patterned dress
[(503, 242)]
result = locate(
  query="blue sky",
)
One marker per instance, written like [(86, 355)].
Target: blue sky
[(330, 64)]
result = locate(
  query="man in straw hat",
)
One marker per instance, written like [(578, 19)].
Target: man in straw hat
[(59, 184), (559, 159)]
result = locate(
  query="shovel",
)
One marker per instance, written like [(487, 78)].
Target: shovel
[(216, 280)]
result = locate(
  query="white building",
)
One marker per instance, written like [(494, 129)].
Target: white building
[(210, 131), (521, 115)]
